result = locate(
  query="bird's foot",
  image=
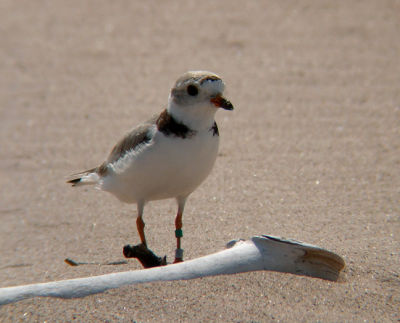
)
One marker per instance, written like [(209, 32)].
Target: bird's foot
[(146, 257)]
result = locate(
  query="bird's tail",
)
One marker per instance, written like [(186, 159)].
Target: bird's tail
[(88, 177)]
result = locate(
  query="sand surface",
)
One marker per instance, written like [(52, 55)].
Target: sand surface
[(311, 152)]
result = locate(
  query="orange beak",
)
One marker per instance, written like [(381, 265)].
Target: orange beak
[(220, 102)]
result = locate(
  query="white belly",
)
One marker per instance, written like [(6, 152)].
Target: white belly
[(167, 167)]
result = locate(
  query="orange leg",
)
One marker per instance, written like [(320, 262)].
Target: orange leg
[(139, 222), (140, 227), (178, 230), (178, 226)]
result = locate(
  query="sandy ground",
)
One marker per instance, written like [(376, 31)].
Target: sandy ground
[(312, 152)]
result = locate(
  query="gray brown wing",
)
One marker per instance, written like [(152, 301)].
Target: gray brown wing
[(137, 136)]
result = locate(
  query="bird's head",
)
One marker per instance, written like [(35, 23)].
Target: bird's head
[(196, 97)]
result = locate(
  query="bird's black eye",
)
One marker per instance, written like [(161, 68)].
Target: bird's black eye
[(192, 90)]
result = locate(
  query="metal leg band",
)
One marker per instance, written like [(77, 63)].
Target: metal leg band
[(179, 253)]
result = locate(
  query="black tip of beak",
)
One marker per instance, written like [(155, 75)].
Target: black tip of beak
[(227, 105), (223, 103)]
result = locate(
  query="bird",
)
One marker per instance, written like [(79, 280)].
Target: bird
[(169, 155)]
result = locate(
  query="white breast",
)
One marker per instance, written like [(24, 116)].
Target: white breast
[(167, 167)]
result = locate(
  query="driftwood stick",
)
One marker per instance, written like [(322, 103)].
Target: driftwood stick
[(258, 253)]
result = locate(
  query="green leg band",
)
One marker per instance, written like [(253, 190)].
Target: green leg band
[(178, 233)]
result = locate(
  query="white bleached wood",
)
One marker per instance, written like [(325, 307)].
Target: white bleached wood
[(258, 253)]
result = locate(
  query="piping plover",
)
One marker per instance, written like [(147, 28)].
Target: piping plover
[(168, 156)]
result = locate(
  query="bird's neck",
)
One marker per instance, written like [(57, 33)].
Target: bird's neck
[(194, 117)]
